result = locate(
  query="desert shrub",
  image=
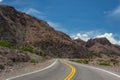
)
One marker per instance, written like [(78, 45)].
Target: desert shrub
[(83, 61), (6, 44), (32, 50), (104, 63), (78, 61), (33, 61), (40, 53), (27, 48), (114, 61)]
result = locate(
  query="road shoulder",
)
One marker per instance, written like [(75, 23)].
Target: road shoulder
[(26, 69)]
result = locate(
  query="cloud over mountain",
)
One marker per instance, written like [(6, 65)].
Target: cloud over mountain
[(92, 34), (34, 12)]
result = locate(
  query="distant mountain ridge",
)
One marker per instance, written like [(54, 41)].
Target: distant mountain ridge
[(100, 45)]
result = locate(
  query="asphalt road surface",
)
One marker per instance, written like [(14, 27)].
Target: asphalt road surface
[(62, 69), (87, 73)]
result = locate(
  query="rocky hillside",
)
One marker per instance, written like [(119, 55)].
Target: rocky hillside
[(10, 57), (100, 45), (23, 30), (80, 42)]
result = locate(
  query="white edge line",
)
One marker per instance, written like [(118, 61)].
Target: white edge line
[(101, 70), (34, 71), (106, 71)]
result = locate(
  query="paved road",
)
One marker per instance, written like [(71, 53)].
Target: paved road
[(89, 73), (60, 70), (57, 72)]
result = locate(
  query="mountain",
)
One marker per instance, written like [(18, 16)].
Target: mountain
[(21, 29), (80, 42), (100, 45)]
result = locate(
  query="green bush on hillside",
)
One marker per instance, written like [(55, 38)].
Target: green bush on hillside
[(33, 61), (83, 61), (114, 61), (6, 44), (104, 63), (28, 48), (33, 50), (40, 53)]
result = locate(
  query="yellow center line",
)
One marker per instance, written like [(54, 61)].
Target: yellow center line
[(72, 73)]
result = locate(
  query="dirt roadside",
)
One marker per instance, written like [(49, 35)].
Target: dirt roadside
[(24, 68)]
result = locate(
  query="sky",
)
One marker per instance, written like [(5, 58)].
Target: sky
[(83, 19)]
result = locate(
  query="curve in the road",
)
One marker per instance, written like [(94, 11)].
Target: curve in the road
[(34, 71), (72, 73)]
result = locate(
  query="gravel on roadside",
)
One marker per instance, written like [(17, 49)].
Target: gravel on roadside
[(24, 68)]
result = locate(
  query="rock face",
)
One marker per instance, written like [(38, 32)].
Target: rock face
[(100, 45), (9, 57), (80, 42), (101, 41), (21, 29), (12, 25)]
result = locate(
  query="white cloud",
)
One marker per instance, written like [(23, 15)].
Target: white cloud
[(85, 36), (116, 12), (53, 24), (81, 36), (34, 12), (110, 37), (113, 15), (56, 26), (1, 0)]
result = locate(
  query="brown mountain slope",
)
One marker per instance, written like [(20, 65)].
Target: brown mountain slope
[(100, 45), (80, 42), (21, 29)]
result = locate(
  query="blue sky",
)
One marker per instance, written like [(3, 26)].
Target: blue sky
[(83, 19)]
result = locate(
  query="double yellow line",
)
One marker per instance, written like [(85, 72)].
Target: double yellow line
[(72, 73)]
